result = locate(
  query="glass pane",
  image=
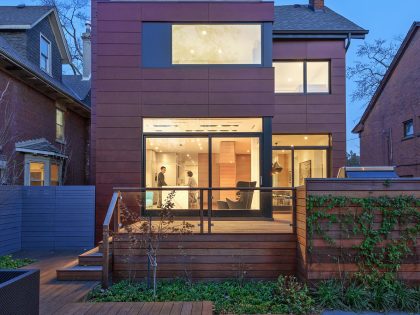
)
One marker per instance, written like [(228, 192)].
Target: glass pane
[(54, 175), (59, 132), (44, 47), (236, 163), (309, 164), (37, 173), (408, 128), (288, 77), (216, 44), (318, 77), (301, 140), (281, 168), (179, 125), (176, 162), (59, 116), (43, 63)]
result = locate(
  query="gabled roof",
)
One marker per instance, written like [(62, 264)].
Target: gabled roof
[(9, 54), (79, 86), (405, 44), (24, 17), (39, 146), (302, 21)]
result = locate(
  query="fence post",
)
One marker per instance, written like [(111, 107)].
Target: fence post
[(105, 253), (201, 212)]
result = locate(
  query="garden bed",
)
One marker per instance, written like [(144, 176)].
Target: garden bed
[(285, 296)]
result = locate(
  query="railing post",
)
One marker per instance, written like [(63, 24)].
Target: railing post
[(117, 214), (294, 207), (201, 212), (209, 209), (105, 256)]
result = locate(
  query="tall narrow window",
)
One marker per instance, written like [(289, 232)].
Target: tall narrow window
[(54, 174), (408, 128), (45, 54), (59, 125)]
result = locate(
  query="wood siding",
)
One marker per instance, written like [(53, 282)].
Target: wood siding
[(319, 263), (48, 218), (209, 257)]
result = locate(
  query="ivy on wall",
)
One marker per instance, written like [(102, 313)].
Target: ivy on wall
[(387, 228)]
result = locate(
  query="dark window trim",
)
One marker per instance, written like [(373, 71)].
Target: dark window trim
[(408, 136), (305, 77)]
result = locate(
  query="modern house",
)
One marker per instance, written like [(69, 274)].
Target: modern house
[(238, 93), (44, 115), (389, 129)]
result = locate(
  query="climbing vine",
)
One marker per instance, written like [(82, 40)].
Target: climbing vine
[(387, 228)]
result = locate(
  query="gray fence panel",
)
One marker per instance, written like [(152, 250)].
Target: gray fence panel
[(10, 219)]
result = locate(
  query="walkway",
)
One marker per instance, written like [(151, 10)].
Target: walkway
[(65, 297)]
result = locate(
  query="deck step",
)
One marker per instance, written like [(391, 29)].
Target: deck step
[(79, 273)]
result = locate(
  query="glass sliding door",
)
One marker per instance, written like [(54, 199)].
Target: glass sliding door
[(178, 162), (235, 163)]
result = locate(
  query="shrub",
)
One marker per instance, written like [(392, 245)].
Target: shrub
[(7, 262)]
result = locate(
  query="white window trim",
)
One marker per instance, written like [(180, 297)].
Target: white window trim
[(49, 63), (29, 158)]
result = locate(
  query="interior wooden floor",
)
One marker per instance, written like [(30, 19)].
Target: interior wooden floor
[(281, 223)]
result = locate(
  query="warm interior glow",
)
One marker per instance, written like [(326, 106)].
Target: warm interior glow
[(216, 44), (300, 140), (37, 174), (288, 77), (205, 125), (317, 77)]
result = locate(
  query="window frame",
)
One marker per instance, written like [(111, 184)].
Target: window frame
[(305, 76), (405, 123), (58, 109), (47, 161), (219, 65), (41, 55)]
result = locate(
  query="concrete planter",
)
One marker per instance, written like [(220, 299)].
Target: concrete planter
[(19, 291)]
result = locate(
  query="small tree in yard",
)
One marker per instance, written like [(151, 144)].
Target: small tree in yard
[(152, 233)]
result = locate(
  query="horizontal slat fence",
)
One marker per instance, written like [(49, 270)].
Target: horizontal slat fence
[(59, 217), (208, 257), (321, 262)]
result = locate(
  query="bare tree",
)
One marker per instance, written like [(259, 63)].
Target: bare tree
[(367, 73), (73, 15), (10, 174)]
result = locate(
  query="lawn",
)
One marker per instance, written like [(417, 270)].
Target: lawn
[(285, 296), (8, 262)]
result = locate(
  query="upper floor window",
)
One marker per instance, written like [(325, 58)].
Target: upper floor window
[(45, 54), (302, 76), (408, 128), (216, 44), (59, 125)]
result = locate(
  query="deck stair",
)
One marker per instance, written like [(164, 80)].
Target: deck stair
[(88, 266)]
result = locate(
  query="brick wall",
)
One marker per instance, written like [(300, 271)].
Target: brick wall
[(381, 141)]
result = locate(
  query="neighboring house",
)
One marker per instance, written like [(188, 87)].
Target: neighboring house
[(237, 93), (45, 115), (389, 129)]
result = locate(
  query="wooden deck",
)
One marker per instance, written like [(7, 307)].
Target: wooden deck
[(67, 297)]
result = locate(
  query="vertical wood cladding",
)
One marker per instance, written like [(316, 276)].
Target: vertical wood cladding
[(124, 92)]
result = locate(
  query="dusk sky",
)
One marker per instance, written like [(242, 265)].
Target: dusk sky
[(386, 19)]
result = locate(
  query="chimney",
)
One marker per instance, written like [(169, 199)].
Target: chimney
[(87, 52), (316, 5)]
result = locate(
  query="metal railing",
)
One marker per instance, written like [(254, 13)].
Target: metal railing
[(114, 211)]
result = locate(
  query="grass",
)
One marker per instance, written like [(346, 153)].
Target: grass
[(8, 262), (284, 296)]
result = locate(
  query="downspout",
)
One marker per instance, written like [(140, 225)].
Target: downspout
[(348, 41)]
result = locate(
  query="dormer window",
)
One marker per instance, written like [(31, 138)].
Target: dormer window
[(45, 54)]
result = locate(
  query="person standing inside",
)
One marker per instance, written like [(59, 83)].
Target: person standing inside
[(192, 194), (161, 182)]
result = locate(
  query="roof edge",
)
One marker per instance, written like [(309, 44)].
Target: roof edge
[(400, 53)]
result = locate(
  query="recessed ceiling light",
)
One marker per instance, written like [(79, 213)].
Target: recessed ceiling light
[(306, 138), (204, 32), (156, 148)]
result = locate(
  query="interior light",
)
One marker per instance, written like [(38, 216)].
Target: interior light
[(156, 148), (192, 51), (289, 79), (204, 32), (188, 155), (247, 151), (220, 51), (306, 138)]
